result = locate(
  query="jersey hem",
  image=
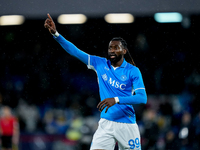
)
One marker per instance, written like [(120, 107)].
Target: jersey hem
[(134, 122)]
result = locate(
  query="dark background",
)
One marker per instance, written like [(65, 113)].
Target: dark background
[(167, 54), (37, 74)]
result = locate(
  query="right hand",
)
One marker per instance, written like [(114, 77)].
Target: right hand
[(50, 25)]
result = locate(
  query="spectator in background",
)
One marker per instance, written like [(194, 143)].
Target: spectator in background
[(171, 140), (9, 130), (196, 123), (151, 129), (186, 131)]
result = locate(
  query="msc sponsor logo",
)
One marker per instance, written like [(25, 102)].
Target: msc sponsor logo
[(114, 83)]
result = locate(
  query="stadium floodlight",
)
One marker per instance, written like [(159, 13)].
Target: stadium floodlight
[(72, 19), (7, 20), (119, 18), (168, 17)]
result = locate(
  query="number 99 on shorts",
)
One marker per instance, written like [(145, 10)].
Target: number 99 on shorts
[(134, 144)]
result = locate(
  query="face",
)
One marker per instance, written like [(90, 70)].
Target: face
[(115, 51)]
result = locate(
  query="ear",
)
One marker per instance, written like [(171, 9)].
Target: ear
[(124, 51)]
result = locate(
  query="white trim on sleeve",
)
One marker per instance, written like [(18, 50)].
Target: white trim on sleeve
[(90, 66), (133, 90), (139, 89)]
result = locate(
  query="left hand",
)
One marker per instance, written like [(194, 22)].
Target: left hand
[(108, 102)]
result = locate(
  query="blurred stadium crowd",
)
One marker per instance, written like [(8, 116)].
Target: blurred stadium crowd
[(55, 96)]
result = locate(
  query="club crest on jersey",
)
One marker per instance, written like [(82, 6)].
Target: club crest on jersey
[(105, 77), (123, 77)]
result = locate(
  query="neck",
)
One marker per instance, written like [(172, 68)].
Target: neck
[(118, 64)]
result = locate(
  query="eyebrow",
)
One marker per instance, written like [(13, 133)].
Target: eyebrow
[(113, 46)]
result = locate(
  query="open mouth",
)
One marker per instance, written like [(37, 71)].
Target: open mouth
[(112, 56)]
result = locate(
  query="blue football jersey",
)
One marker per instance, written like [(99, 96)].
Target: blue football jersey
[(120, 82)]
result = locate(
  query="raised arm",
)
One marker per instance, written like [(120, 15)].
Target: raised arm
[(67, 46)]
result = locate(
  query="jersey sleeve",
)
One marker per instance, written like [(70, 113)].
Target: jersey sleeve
[(94, 61), (72, 49), (140, 95), (137, 80)]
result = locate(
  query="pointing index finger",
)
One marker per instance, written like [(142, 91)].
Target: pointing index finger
[(49, 16)]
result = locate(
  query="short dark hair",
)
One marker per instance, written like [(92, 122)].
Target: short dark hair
[(124, 44)]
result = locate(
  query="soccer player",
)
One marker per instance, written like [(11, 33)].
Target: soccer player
[(120, 86)]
